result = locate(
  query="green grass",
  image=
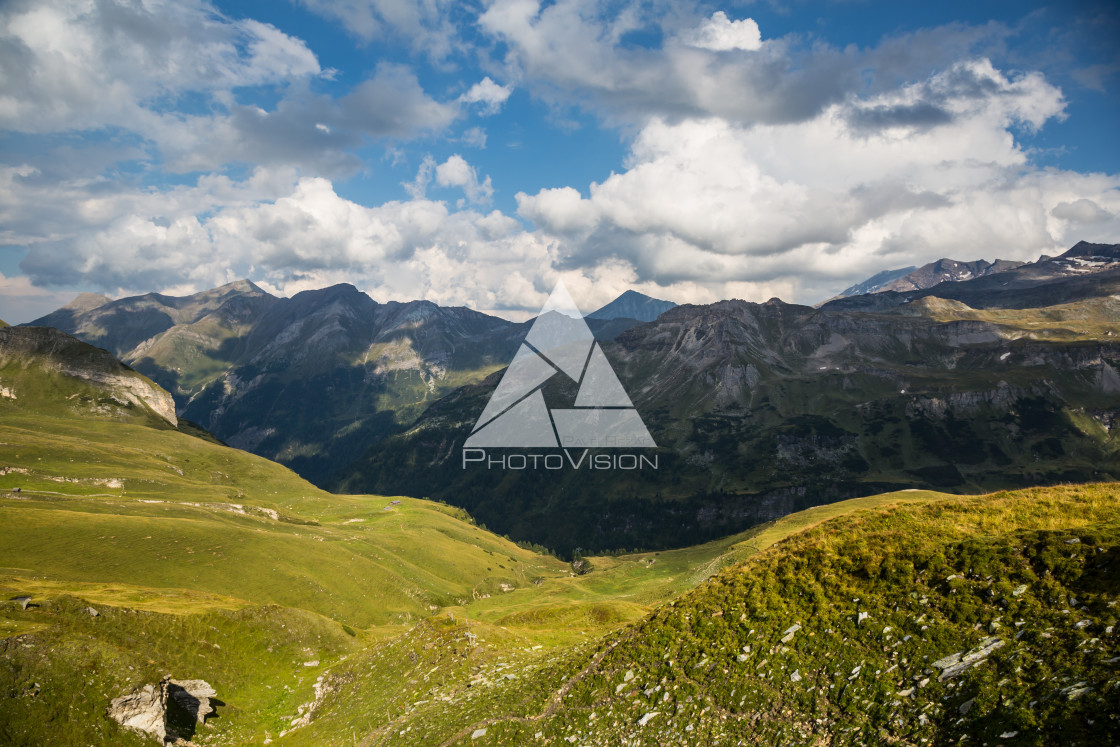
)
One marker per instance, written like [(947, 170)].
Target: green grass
[(1089, 319), (1034, 568)]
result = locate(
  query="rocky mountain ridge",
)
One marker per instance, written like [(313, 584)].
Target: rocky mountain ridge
[(760, 409), (927, 276), (59, 353)]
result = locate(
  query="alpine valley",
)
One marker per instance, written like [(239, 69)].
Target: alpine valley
[(894, 518)]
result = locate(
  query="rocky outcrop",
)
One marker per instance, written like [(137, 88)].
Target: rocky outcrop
[(134, 388), (168, 711), (58, 351)]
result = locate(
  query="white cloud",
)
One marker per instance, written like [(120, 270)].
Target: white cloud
[(812, 204), (456, 172), (575, 52), (705, 209), (1082, 212), (474, 137), (784, 170), (489, 94), (423, 24), (82, 65), (721, 34)]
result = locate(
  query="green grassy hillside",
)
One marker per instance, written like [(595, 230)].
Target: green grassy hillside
[(205, 561), (847, 634)]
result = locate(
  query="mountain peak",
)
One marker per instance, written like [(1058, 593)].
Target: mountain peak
[(633, 305), (928, 275), (87, 302), (1088, 249), (244, 285)]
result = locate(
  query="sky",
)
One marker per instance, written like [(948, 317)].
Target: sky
[(473, 152)]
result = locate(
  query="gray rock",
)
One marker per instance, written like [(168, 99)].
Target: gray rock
[(954, 664), (92, 612), (166, 711), (143, 711)]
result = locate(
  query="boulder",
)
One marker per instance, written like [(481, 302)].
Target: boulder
[(168, 711)]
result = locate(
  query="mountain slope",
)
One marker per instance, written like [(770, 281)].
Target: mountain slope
[(763, 409), (876, 282), (43, 368), (633, 305), (326, 374), (775, 650), (1084, 271), (195, 559), (311, 381), (987, 618), (120, 326), (329, 619), (206, 562)]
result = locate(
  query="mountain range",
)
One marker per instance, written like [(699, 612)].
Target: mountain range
[(1005, 379), (927, 276), (763, 409)]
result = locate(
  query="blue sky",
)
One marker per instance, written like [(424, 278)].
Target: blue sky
[(474, 152)]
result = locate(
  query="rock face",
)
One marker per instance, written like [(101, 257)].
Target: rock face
[(168, 711)]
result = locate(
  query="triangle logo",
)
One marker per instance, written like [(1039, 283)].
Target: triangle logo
[(559, 342)]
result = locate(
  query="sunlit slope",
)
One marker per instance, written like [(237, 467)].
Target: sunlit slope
[(851, 633)]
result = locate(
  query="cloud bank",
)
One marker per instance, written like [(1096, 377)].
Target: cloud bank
[(755, 166)]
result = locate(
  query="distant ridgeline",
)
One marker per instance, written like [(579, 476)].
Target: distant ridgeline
[(1010, 377)]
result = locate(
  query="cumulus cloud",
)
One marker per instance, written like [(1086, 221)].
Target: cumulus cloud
[(72, 65), (720, 34), (574, 52), (487, 93), (814, 202), (756, 168), (79, 65), (1081, 212), (424, 24), (455, 172)]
